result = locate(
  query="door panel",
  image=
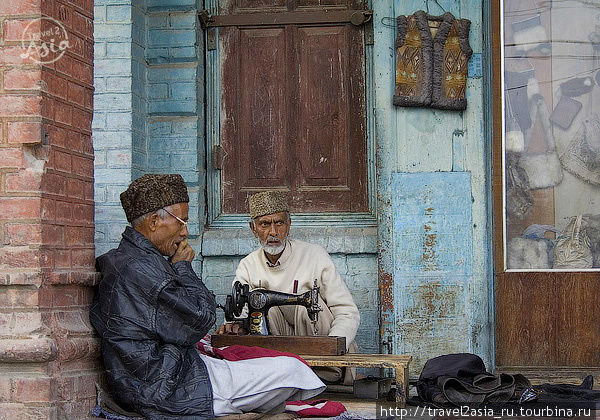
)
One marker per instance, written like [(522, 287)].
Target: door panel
[(252, 5), (525, 320), (262, 125), (324, 106), (548, 320), (578, 327), (320, 3)]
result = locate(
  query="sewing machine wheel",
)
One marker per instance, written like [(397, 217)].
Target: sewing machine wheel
[(238, 298)]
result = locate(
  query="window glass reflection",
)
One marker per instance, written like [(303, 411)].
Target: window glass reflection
[(552, 134)]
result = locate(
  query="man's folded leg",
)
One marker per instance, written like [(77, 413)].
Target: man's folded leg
[(335, 375), (261, 384), (304, 326), (271, 402)]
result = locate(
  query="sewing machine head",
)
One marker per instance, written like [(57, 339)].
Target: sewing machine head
[(259, 302)]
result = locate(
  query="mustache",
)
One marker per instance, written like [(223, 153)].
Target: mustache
[(272, 241), (274, 247)]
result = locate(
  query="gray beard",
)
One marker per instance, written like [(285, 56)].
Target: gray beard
[(273, 249)]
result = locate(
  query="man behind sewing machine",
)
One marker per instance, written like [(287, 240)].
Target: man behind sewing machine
[(151, 309), (291, 266)]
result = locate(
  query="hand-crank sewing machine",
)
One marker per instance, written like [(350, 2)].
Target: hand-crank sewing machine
[(315, 350), (261, 300)]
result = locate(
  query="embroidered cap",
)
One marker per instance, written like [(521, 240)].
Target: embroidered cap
[(151, 192), (267, 202)]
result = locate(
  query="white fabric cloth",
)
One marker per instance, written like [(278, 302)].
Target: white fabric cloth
[(304, 262), (260, 385)]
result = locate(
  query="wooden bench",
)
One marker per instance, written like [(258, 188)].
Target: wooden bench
[(399, 363)]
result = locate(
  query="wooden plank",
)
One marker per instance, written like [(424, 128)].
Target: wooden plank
[(526, 319), (577, 329), (359, 360), (553, 374), (262, 18), (320, 345), (497, 186), (387, 139)]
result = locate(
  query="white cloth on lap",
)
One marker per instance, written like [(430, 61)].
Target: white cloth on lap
[(261, 385)]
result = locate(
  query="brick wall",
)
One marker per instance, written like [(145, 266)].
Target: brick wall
[(48, 357)]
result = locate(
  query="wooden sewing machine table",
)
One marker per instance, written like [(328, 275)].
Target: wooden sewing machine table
[(325, 352), (400, 364)]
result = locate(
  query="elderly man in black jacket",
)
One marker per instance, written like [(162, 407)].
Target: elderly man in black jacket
[(151, 309)]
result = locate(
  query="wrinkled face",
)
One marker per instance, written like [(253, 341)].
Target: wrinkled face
[(272, 230), (169, 232)]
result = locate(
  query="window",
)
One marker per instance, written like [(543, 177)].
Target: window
[(551, 142), (290, 113)]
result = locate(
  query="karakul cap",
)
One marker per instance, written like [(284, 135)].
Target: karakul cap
[(267, 202), (151, 192)]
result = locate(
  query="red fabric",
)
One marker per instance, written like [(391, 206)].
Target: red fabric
[(315, 408), (239, 352)]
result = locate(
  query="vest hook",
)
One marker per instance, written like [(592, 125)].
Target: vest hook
[(436, 2)]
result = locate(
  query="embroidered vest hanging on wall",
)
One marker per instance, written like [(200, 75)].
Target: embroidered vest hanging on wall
[(431, 61)]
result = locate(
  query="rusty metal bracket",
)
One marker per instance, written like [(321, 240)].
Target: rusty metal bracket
[(356, 17), (205, 18)]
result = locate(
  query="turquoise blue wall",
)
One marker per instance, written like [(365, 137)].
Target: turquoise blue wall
[(148, 83), (149, 117), (112, 125), (424, 141)]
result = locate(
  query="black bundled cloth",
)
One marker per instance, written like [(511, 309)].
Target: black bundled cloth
[(580, 396), (459, 380), (455, 380)]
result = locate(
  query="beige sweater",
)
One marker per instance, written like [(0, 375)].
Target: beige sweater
[(304, 262)]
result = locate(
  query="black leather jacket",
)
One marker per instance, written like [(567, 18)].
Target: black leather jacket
[(150, 314)]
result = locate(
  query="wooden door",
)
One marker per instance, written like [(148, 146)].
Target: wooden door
[(546, 321), (293, 104)]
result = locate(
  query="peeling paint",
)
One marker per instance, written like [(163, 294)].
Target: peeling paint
[(433, 300), (432, 239), (386, 291), (423, 140), (429, 250)]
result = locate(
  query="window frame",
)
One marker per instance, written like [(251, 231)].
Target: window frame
[(498, 149), (216, 219)]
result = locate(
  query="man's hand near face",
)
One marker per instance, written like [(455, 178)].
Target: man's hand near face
[(184, 252), (233, 328)]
